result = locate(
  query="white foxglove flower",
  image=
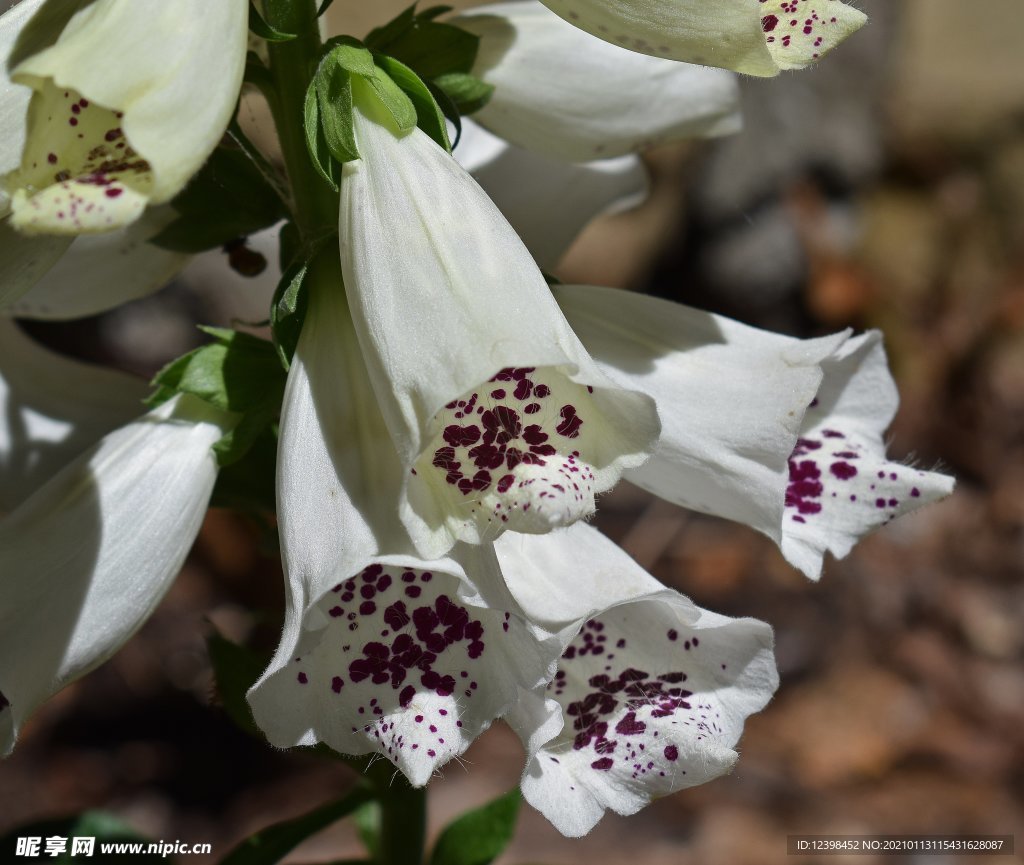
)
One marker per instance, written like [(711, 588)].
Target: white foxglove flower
[(127, 105), (758, 37), (564, 93), (500, 417), (738, 440), (651, 693), (382, 651), (51, 409), (87, 558), (548, 201)]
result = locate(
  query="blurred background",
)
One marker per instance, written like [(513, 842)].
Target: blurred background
[(884, 188)]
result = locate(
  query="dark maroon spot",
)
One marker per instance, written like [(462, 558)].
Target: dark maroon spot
[(842, 470), (603, 765), (769, 23), (337, 683), (113, 192), (303, 679), (672, 752)]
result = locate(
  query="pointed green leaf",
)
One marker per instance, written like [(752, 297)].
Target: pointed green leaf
[(324, 7), (468, 92), (387, 33), (288, 311), (478, 837), (272, 844), (259, 26), (428, 115)]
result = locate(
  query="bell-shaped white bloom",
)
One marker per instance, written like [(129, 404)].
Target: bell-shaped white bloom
[(382, 651), (87, 558), (548, 201), (562, 92), (100, 272), (51, 409), (738, 440), (651, 693), (500, 417), (758, 37), (127, 104), (841, 486)]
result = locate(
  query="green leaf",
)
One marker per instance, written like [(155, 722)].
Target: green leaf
[(104, 827), (394, 99), (429, 116), (259, 26), (449, 109), (236, 372), (272, 844), (235, 670), (387, 33), (248, 485), (229, 198), (433, 48), (324, 7), (468, 92), (367, 820), (334, 98), (478, 837), (288, 311), (316, 141)]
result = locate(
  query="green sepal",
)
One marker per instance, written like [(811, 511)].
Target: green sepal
[(229, 198), (394, 99), (271, 845), (237, 372), (235, 670), (429, 116), (333, 84), (350, 54), (101, 825), (316, 141), (467, 91), (479, 836), (259, 26)]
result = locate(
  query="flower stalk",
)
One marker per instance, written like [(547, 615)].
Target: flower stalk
[(292, 63)]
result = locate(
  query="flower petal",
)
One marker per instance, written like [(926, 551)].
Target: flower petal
[(51, 409), (106, 138), (650, 696), (564, 93), (22, 260), (841, 486), (100, 272), (89, 556), (380, 653), (499, 415), (730, 397), (758, 37), (548, 201), (14, 98)]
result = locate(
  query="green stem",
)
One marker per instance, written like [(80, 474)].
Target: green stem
[(403, 824), (292, 64)]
